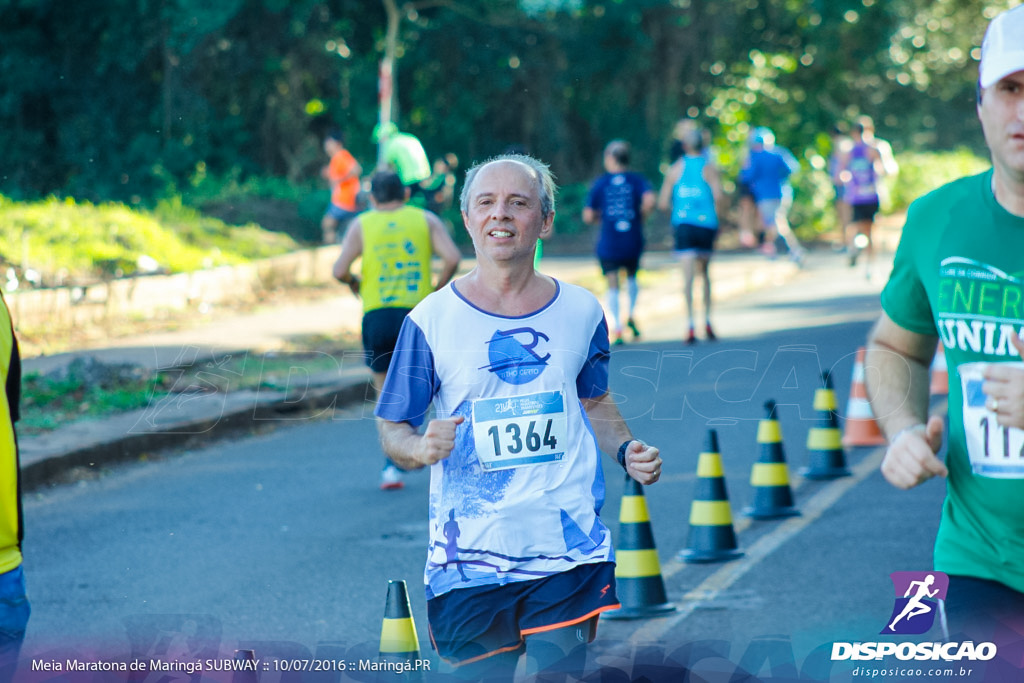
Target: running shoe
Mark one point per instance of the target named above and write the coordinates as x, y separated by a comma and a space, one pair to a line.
691, 338
633, 328
390, 478
709, 334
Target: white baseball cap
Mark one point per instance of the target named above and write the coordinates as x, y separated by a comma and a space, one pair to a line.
1002, 51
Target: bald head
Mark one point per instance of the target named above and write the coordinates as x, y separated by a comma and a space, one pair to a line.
537, 170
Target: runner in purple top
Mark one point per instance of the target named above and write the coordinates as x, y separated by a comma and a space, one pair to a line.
860, 168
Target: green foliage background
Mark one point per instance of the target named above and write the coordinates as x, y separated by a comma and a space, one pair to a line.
223, 104
69, 241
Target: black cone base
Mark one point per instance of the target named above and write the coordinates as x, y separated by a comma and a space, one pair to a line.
821, 473
644, 612
640, 597
711, 543
705, 556
771, 513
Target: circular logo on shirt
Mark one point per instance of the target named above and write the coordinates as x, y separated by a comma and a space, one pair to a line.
513, 355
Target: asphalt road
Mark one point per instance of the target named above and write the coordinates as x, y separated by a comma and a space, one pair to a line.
282, 543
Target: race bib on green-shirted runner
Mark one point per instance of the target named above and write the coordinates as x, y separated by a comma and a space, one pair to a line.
520, 431
994, 450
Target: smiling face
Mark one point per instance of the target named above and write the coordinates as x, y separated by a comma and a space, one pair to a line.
504, 213
1001, 111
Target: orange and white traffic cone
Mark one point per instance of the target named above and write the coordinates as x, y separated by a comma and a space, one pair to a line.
939, 385
861, 428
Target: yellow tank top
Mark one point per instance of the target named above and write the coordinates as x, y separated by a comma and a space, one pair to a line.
396, 258
10, 509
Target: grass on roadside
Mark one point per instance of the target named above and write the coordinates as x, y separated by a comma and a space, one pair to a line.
50, 403
69, 241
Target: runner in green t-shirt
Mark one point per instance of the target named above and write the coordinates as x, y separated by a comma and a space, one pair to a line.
958, 278
404, 153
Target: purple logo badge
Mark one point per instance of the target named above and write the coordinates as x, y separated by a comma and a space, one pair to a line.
917, 601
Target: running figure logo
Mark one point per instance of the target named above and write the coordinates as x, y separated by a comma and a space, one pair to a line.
914, 612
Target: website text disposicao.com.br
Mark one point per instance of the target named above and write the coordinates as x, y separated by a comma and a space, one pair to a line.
951, 660
905, 672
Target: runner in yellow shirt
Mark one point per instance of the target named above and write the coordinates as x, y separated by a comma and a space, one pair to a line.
396, 243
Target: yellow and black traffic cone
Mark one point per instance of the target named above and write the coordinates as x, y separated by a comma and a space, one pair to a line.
711, 538
638, 581
770, 477
398, 641
824, 440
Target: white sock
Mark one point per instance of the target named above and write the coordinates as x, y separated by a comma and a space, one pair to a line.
613, 307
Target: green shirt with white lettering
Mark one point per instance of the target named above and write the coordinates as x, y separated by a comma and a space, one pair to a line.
959, 273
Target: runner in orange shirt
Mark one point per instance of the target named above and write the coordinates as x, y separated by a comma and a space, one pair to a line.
342, 173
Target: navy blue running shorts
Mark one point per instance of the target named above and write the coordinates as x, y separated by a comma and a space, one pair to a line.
694, 238
630, 264
470, 624
864, 212
380, 334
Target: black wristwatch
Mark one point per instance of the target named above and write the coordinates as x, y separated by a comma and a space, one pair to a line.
621, 455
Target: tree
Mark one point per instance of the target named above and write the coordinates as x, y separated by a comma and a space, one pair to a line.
132, 100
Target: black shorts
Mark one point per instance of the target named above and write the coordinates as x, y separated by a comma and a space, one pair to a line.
630, 265
743, 190
470, 624
380, 334
864, 212
694, 238
980, 608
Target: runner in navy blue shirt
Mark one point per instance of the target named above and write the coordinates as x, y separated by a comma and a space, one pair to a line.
619, 200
